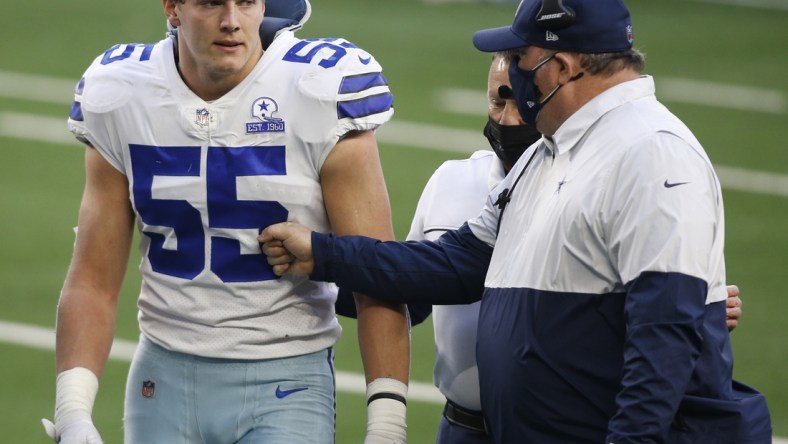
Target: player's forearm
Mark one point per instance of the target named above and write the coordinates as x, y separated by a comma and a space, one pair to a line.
85, 330
384, 339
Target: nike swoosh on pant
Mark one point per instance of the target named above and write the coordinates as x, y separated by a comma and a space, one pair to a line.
282, 393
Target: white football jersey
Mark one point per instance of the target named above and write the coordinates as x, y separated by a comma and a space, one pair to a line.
456, 192
206, 177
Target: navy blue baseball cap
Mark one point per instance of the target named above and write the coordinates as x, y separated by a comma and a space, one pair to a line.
585, 26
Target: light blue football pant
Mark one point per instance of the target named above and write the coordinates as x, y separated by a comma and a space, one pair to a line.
174, 398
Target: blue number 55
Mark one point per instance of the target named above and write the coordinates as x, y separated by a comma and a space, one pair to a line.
225, 211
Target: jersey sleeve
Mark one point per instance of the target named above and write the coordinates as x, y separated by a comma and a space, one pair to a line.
344, 87
364, 100
333, 87
99, 92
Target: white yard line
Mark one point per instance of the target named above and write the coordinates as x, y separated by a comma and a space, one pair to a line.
700, 92
122, 350
439, 138
669, 89
417, 135
37, 88
720, 95
36, 127
769, 5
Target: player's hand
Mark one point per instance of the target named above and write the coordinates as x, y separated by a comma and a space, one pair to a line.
733, 306
81, 431
288, 247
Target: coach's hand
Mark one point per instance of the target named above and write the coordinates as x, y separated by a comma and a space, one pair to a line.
79, 432
288, 247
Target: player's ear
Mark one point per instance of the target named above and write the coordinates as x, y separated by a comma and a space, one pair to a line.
171, 13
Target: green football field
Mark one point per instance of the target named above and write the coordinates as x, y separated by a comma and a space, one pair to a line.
722, 66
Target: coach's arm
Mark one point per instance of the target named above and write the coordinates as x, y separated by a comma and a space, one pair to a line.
446, 272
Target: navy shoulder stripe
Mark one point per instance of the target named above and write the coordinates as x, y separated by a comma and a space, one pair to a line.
365, 106
75, 113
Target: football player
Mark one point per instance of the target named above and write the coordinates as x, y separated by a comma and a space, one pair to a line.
200, 141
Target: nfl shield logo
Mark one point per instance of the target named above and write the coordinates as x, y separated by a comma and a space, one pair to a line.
201, 117
148, 388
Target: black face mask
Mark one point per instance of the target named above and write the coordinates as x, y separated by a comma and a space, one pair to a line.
510, 141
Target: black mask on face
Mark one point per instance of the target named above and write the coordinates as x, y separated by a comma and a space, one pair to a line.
510, 141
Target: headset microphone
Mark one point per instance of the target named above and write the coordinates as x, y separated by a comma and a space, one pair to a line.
554, 15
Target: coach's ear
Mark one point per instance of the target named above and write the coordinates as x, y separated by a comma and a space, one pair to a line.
346, 306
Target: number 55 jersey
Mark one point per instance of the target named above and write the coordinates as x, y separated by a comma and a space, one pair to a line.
205, 177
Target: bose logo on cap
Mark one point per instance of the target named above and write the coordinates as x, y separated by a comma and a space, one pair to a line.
550, 16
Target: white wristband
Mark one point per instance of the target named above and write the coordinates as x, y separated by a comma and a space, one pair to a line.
386, 398
75, 395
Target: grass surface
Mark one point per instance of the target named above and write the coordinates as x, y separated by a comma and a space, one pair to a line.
423, 47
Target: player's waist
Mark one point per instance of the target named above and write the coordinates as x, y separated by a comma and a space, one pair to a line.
268, 338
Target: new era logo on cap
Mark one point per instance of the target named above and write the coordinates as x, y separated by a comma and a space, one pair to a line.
550, 37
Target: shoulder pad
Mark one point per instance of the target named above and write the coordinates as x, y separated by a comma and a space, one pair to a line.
111, 78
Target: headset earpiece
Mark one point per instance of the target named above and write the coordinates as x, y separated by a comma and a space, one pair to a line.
554, 15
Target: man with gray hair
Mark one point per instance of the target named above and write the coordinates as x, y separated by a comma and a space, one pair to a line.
600, 255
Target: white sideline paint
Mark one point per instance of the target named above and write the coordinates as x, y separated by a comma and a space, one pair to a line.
460, 141
123, 350
41, 338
